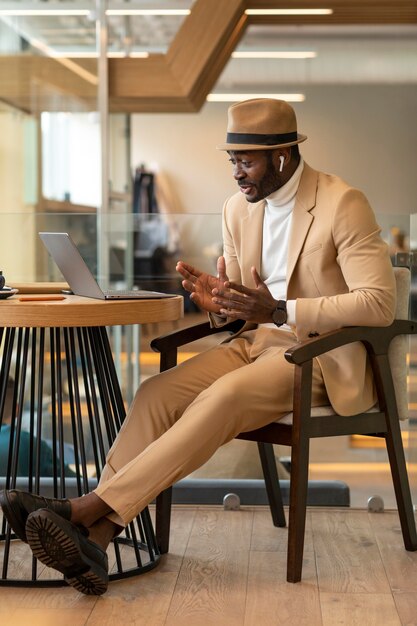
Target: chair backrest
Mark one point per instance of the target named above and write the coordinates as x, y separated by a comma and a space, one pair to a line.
399, 346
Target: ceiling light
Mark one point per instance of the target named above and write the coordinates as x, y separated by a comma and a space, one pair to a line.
120, 54
42, 12
238, 97
289, 11
65, 11
88, 54
148, 12
274, 54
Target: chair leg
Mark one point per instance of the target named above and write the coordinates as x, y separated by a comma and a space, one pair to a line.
300, 449
395, 450
297, 512
273, 490
401, 486
163, 519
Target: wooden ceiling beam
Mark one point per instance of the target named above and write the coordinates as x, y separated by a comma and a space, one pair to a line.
194, 61
34, 84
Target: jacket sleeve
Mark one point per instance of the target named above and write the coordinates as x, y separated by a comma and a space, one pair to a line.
363, 259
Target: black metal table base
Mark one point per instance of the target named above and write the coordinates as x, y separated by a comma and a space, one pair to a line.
67, 406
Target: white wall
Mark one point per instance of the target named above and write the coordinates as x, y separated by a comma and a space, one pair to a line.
366, 134
17, 195
184, 147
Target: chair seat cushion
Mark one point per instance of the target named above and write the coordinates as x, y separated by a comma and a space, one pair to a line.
317, 411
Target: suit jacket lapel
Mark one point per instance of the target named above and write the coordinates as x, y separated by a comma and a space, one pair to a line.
252, 233
305, 200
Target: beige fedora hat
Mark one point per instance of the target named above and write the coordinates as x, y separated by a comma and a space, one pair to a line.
261, 124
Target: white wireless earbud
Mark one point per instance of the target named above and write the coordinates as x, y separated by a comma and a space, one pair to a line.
281, 163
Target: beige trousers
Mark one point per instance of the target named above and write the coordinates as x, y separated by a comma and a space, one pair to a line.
179, 418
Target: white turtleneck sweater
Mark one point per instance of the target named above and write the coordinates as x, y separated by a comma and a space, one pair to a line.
276, 234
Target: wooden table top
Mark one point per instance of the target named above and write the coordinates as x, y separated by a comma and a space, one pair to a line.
19, 312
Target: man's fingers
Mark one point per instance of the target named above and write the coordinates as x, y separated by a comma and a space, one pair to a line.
258, 280
188, 285
221, 269
232, 313
188, 271
240, 288
187, 275
231, 299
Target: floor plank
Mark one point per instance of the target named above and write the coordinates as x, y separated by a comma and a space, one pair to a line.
347, 554
55, 598
357, 609
400, 565
182, 520
140, 601
271, 601
406, 603
267, 537
49, 617
211, 588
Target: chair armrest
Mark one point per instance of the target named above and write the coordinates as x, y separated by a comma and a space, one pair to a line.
376, 339
177, 338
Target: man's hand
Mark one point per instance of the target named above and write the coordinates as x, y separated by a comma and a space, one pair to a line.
201, 285
239, 302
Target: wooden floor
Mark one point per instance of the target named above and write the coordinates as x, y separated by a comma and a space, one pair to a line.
228, 568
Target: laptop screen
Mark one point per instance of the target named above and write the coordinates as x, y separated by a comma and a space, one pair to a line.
72, 265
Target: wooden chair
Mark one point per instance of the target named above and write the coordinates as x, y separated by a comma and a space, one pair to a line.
387, 348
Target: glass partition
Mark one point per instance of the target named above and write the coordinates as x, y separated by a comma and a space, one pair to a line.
49, 130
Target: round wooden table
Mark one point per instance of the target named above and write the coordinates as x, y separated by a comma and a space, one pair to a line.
66, 395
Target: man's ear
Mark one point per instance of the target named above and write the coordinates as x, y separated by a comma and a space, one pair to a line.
282, 157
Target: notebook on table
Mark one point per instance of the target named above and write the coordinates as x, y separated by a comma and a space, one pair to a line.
78, 276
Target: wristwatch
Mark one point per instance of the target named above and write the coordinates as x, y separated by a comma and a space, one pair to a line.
279, 315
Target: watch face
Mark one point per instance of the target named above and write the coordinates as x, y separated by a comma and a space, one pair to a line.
279, 316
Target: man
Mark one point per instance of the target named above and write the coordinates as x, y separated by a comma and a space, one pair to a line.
302, 256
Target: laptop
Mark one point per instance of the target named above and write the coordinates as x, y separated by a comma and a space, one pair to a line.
75, 271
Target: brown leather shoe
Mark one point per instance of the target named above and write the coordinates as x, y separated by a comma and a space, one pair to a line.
60, 544
17, 506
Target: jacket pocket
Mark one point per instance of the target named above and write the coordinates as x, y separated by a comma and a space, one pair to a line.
305, 253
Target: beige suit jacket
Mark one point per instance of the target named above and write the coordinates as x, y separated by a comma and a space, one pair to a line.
338, 271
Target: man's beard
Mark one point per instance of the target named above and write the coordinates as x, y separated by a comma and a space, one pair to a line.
270, 182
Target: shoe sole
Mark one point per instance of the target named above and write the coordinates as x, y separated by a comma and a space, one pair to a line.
54, 548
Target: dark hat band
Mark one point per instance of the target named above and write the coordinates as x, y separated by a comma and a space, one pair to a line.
264, 140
